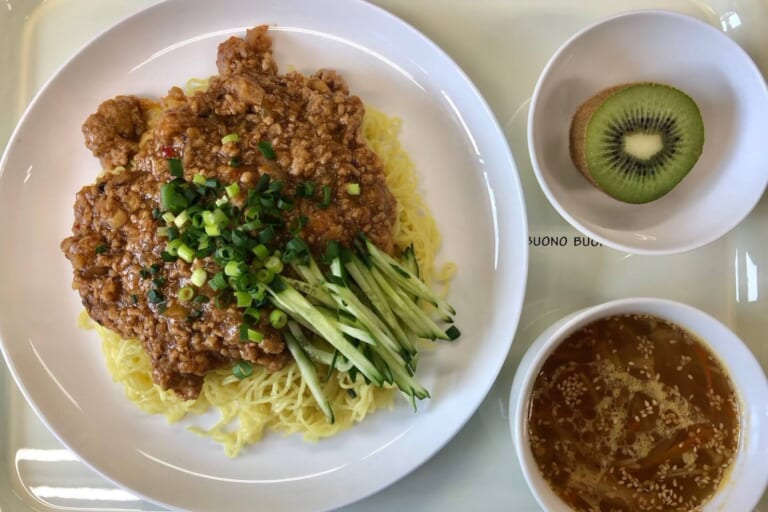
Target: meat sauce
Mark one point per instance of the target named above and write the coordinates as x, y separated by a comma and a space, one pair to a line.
312, 125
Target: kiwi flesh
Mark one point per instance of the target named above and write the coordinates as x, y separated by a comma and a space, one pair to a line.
637, 141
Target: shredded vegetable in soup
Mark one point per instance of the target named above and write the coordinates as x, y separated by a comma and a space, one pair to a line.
633, 413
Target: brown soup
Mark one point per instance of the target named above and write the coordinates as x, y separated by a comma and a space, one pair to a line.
633, 413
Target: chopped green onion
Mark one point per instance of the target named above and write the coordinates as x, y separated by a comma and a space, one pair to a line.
173, 232
162, 232
181, 219
166, 256
158, 281
212, 183
134, 298
218, 282
266, 150
198, 220
266, 234
199, 179
201, 299
326, 202
233, 190
265, 276
172, 197
232, 268
219, 217
242, 369
225, 253
353, 189
254, 313
263, 183
234, 162
102, 248
199, 275
154, 268
261, 251
168, 217
186, 294
156, 212
186, 253
306, 189
172, 247
155, 297
278, 319
243, 299
274, 265
231, 137
175, 167
221, 201
212, 230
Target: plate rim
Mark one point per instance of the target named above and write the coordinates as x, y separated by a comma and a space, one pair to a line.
522, 222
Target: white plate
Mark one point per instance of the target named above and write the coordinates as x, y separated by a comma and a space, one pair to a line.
468, 177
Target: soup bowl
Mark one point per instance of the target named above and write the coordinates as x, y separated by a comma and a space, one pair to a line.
742, 486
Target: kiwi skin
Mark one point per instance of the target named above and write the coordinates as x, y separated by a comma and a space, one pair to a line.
577, 133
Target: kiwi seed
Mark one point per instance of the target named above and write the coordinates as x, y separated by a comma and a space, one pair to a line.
636, 142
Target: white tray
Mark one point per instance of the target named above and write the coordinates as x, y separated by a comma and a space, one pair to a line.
503, 46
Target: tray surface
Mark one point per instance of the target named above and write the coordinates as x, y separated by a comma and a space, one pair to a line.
502, 46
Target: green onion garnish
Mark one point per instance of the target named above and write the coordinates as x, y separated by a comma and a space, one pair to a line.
278, 319
201, 299
264, 276
186, 253
326, 202
156, 213
231, 137
155, 297
234, 162
101, 248
243, 299
181, 219
175, 167
233, 190
162, 232
261, 251
186, 294
198, 179
218, 282
232, 269
266, 150
134, 298
274, 265
306, 189
212, 230
242, 369
253, 313
172, 247
199, 275
353, 189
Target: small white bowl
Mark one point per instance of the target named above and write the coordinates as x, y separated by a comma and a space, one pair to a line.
745, 484
729, 177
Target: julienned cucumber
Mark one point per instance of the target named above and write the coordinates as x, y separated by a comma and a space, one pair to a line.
368, 310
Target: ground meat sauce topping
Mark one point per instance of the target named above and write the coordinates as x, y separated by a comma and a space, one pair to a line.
313, 126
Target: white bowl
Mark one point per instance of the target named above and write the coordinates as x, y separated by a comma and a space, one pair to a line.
747, 481
681, 51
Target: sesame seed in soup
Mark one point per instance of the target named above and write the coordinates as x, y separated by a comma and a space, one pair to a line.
633, 413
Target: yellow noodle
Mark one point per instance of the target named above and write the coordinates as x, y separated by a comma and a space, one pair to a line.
280, 401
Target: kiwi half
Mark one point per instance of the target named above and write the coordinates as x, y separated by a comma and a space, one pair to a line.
636, 142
